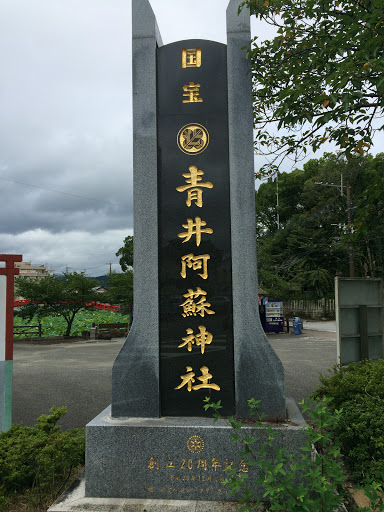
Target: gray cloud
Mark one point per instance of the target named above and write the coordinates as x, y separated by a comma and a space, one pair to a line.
65, 98
75, 250
65, 104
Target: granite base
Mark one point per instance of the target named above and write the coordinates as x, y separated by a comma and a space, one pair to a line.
172, 458
74, 500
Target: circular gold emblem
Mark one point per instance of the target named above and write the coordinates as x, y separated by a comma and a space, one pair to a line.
195, 444
193, 139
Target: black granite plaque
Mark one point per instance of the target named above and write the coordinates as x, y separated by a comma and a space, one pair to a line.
195, 292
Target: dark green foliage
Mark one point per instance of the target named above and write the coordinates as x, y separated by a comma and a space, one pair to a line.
320, 77
361, 435
126, 254
39, 457
367, 235
358, 391
301, 257
120, 289
357, 380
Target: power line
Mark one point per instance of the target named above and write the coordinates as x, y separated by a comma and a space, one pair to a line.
65, 193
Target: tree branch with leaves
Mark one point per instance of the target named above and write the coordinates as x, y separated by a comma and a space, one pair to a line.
126, 254
321, 78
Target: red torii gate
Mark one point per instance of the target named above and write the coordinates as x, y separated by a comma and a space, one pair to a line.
6, 336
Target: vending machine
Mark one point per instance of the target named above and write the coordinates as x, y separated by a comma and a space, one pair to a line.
272, 319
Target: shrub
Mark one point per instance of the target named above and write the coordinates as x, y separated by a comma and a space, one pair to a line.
358, 391
42, 457
360, 432
365, 378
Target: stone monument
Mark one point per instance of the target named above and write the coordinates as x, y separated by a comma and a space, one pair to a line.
196, 331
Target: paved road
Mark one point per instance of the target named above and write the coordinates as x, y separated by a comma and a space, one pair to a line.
79, 374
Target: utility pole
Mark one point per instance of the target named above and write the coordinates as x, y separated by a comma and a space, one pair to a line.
350, 249
339, 187
277, 201
349, 217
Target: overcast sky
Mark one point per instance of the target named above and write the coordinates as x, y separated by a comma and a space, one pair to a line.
65, 130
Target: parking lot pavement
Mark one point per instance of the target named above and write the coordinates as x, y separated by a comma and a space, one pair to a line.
304, 357
79, 374
320, 325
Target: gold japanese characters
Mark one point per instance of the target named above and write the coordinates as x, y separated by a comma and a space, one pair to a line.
193, 186
196, 303
188, 379
195, 228
191, 58
201, 464
198, 469
199, 262
193, 139
201, 339
192, 93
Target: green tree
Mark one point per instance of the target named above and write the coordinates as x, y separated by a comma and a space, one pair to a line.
301, 256
126, 253
57, 296
366, 236
321, 78
120, 289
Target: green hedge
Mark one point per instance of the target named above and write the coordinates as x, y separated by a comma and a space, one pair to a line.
365, 378
38, 458
361, 434
358, 390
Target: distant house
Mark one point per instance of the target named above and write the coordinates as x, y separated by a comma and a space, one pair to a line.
100, 289
29, 271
